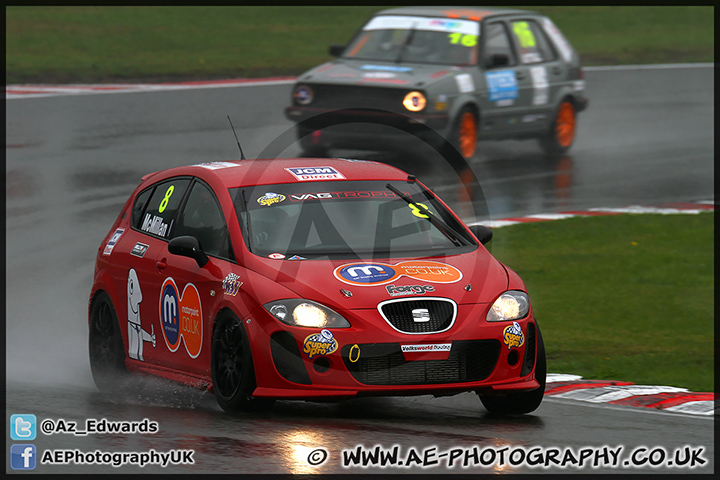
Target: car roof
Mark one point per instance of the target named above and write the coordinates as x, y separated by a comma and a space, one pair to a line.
470, 13
250, 172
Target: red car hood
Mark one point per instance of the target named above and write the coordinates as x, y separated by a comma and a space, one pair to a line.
470, 278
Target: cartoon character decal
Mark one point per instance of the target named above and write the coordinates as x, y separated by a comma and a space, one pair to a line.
136, 334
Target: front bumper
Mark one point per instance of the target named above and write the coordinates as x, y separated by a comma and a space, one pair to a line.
368, 360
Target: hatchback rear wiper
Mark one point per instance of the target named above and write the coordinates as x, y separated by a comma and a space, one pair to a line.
444, 228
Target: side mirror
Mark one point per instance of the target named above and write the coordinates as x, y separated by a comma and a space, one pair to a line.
498, 60
483, 233
187, 246
336, 50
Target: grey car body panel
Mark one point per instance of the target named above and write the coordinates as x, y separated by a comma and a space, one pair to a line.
540, 87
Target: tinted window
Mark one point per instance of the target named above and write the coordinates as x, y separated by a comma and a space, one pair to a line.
400, 38
163, 204
345, 219
202, 218
497, 42
533, 45
139, 206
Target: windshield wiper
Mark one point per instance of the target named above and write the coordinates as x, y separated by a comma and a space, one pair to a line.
444, 228
407, 41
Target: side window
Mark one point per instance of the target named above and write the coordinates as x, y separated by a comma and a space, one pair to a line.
497, 42
202, 218
533, 44
139, 206
162, 205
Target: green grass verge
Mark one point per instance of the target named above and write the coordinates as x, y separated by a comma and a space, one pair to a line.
95, 44
627, 297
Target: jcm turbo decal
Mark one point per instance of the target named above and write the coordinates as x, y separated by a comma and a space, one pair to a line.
379, 273
113, 240
513, 336
315, 173
231, 284
181, 317
409, 289
319, 344
270, 198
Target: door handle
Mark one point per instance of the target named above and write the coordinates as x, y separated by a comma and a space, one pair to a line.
161, 264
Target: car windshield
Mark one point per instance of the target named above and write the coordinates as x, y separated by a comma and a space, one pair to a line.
406, 39
347, 219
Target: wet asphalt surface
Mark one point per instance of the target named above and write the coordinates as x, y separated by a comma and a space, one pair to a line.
646, 139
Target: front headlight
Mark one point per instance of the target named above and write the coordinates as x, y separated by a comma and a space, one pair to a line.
414, 101
305, 313
511, 305
303, 95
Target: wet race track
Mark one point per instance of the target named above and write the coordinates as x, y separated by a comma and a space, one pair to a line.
645, 139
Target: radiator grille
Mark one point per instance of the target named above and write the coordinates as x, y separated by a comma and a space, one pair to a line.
399, 314
384, 364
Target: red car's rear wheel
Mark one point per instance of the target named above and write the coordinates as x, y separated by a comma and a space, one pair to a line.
107, 353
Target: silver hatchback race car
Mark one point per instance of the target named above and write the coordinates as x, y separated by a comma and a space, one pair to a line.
466, 73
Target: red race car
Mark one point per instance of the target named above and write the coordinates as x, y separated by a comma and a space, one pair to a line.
308, 279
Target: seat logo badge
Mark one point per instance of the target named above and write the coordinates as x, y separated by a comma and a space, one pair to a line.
421, 315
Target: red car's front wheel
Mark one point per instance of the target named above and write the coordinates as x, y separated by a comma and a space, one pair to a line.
233, 375
521, 402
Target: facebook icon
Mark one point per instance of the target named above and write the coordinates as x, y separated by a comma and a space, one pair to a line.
23, 457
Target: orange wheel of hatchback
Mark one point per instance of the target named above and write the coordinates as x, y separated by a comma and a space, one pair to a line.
464, 136
467, 134
561, 135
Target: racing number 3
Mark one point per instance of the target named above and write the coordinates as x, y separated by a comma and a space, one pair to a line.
166, 198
